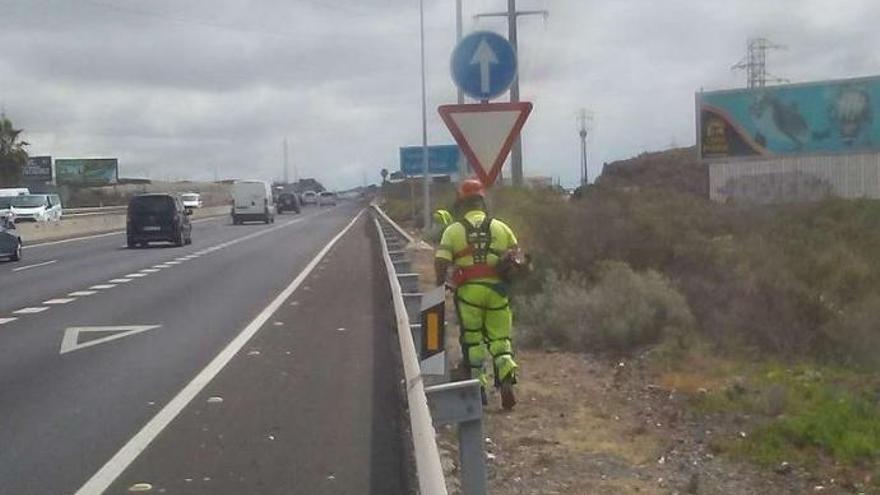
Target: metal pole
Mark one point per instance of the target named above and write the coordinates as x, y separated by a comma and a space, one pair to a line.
286, 175
472, 458
426, 182
516, 164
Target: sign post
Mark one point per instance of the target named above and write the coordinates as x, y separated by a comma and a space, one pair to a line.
484, 66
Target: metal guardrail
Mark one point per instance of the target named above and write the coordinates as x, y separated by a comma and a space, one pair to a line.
393, 225
94, 211
447, 403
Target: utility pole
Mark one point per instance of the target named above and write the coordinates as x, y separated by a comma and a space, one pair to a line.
512, 15
463, 167
583, 118
426, 182
755, 63
286, 177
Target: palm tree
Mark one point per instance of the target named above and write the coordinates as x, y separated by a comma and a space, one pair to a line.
13, 155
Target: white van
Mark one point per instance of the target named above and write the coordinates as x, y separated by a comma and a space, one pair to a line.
252, 201
36, 207
13, 191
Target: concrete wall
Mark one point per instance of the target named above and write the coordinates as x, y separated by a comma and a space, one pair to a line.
795, 178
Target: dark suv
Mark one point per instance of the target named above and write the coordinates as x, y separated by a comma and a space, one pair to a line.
158, 217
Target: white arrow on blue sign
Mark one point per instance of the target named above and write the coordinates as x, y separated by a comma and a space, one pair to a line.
483, 65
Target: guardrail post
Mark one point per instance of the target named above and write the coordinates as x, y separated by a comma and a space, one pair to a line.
460, 402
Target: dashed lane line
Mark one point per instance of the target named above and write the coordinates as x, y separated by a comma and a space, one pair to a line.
136, 275
7, 320
149, 270
119, 280
102, 286
62, 300
82, 293
30, 310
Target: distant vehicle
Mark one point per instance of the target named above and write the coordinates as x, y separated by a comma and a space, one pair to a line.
287, 201
10, 241
327, 198
36, 207
157, 217
191, 200
309, 198
6, 206
13, 191
252, 201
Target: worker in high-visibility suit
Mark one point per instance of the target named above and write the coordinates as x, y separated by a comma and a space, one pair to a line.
442, 219
474, 246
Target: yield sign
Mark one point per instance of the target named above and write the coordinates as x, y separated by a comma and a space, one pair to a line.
98, 335
486, 132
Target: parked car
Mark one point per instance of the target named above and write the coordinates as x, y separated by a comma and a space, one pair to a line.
191, 200
252, 201
287, 201
10, 241
326, 198
309, 198
36, 207
157, 217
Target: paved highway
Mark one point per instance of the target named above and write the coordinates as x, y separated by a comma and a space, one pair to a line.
257, 360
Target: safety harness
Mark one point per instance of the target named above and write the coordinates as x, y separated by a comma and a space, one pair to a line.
479, 246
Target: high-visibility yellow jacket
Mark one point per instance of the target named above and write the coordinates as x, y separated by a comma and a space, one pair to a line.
457, 248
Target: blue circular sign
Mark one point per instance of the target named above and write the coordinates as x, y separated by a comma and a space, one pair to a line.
483, 65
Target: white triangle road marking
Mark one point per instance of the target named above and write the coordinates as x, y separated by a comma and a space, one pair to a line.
70, 341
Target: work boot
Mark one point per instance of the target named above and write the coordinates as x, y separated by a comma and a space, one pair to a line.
508, 399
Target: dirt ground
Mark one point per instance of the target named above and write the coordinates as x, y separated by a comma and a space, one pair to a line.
587, 425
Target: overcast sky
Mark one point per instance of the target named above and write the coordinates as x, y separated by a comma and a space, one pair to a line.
190, 88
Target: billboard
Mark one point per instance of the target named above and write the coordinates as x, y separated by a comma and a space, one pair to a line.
38, 169
86, 171
794, 119
442, 159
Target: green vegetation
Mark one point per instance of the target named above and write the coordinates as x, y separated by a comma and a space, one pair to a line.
13, 155
806, 412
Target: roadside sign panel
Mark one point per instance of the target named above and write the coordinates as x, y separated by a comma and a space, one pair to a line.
486, 133
442, 159
87, 171
38, 169
483, 65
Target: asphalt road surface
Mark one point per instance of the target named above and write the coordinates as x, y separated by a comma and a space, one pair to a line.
257, 360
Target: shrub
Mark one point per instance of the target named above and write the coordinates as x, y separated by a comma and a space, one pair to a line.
622, 311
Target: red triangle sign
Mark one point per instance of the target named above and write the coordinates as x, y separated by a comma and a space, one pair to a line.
485, 132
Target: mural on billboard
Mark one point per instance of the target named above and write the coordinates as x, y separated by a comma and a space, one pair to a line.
834, 116
87, 172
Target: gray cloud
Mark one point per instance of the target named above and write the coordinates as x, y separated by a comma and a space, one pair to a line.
184, 89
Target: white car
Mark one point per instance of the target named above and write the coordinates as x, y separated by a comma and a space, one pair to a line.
36, 207
191, 200
327, 198
309, 198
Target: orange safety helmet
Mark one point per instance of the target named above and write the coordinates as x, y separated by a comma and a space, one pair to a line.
471, 188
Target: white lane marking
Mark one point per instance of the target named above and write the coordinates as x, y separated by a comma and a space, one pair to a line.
103, 286
119, 280
101, 480
7, 320
148, 270
81, 293
31, 310
136, 275
62, 300
161, 265
172, 263
28, 267
70, 341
